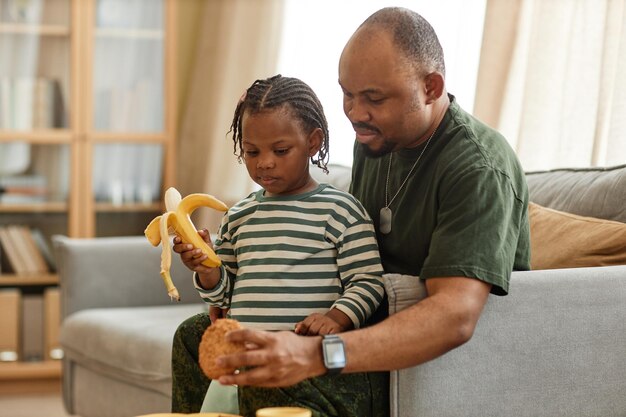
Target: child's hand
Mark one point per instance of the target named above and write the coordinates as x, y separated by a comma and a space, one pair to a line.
318, 324
193, 257
217, 313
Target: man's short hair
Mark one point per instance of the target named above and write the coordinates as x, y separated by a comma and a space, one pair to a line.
415, 37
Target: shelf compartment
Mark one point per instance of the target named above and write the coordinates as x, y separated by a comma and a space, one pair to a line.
125, 34
28, 280
31, 29
128, 207
44, 207
42, 136
30, 370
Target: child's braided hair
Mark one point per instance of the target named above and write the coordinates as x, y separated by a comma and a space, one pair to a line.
278, 91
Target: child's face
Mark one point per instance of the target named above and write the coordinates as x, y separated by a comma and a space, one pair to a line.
277, 151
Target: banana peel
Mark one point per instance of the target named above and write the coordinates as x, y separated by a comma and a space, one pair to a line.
177, 220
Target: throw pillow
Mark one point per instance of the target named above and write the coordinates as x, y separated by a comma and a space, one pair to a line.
563, 240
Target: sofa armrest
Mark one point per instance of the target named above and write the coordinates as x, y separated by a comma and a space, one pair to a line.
115, 272
554, 346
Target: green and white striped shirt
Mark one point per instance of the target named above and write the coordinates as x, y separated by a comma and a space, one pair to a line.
287, 257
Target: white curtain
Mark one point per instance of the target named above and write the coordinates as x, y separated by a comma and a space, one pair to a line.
552, 79
238, 44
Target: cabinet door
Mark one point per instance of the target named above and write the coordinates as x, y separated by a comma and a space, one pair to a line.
128, 113
128, 66
36, 58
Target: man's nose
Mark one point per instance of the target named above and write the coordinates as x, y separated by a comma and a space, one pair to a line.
357, 112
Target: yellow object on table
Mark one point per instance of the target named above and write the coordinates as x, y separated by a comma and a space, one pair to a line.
191, 415
283, 412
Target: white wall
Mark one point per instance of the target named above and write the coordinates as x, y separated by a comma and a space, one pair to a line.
315, 33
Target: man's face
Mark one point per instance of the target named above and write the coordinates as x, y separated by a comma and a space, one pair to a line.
383, 95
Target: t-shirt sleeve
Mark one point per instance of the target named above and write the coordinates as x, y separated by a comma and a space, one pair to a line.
477, 229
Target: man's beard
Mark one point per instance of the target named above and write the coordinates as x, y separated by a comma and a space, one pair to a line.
387, 148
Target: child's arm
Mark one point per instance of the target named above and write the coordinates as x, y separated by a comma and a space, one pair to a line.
216, 313
360, 272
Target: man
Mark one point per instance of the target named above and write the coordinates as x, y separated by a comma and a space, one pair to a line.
446, 193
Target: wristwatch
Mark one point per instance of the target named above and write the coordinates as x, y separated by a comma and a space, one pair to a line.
334, 353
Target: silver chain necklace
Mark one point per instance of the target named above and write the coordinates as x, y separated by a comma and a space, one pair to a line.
386, 215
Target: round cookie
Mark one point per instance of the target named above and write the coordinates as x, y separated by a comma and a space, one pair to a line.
213, 344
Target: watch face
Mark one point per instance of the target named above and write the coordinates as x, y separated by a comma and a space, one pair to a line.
334, 354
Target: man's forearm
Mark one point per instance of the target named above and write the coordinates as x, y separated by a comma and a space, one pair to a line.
422, 332
430, 328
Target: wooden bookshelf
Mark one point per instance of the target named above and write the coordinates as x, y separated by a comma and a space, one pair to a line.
27, 280
77, 47
30, 377
29, 370
128, 207
40, 207
31, 29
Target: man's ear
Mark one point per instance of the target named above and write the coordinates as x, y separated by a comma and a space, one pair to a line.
434, 84
315, 141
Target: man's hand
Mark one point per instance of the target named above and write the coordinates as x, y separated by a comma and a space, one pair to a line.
279, 359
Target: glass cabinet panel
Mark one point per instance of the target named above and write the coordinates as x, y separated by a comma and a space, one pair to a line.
127, 179
128, 66
35, 64
127, 173
34, 174
34, 190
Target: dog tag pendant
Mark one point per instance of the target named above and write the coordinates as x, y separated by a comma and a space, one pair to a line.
385, 220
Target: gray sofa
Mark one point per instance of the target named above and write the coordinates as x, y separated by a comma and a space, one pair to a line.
556, 346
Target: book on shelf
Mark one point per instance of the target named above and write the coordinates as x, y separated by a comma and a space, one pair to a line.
11, 250
9, 324
24, 189
22, 250
15, 236
44, 248
32, 342
37, 261
31, 103
22, 103
6, 94
52, 322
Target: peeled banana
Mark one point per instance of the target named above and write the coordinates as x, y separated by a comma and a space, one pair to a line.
176, 220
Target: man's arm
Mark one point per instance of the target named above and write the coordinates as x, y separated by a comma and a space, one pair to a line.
439, 323
442, 321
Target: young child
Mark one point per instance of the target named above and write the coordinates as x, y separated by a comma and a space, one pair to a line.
297, 255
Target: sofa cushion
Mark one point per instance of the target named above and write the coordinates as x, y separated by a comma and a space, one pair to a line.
553, 347
132, 344
564, 240
594, 192
403, 291
339, 176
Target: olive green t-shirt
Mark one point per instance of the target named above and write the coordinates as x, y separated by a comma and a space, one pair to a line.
462, 212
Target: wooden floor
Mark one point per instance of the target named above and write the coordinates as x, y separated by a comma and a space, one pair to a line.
36, 399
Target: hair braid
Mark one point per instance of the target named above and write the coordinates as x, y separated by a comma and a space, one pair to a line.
278, 91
